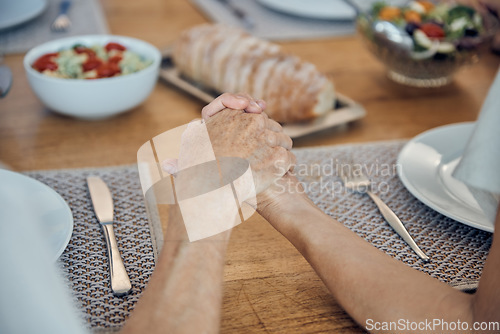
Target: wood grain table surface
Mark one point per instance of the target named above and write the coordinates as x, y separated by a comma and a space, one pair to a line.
269, 287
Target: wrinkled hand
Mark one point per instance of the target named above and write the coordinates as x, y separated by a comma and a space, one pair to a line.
203, 169
251, 136
233, 101
245, 133
277, 195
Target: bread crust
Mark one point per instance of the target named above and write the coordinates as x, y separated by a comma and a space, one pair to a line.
228, 59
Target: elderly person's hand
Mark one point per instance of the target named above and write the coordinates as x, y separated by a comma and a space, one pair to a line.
250, 135
233, 101
284, 183
253, 137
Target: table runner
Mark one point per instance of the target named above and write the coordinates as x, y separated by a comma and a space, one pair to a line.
273, 25
87, 17
457, 251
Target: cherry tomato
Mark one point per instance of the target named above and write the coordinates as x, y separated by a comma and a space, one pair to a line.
91, 64
115, 59
107, 70
114, 46
82, 49
46, 62
432, 30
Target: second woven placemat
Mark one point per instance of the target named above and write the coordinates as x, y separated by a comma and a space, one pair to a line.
457, 251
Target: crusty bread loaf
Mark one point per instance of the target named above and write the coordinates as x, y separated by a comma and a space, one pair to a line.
227, 59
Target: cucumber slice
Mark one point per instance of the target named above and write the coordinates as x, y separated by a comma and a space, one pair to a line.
421, 39
446, 47
427, 53
459, 24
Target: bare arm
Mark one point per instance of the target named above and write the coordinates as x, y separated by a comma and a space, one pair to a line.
368, 283
184, 294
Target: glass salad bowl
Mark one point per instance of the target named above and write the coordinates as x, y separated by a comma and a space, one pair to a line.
423, 44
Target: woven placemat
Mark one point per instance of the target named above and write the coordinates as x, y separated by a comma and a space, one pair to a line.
87, 17
457, 251
84, 261
274, 25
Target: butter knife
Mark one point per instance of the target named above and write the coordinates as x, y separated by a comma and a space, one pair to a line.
103, 208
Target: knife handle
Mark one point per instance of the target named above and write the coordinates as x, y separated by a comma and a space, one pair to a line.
120, 283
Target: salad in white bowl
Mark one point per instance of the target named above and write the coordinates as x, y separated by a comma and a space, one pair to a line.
124, 71
91, 62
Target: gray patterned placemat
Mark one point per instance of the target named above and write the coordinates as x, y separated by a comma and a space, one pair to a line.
273, 25
84, 261
457, 251
87, 17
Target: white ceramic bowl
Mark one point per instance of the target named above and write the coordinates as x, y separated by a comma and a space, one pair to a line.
99, 98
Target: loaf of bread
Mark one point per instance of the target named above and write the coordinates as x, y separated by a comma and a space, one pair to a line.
228, 59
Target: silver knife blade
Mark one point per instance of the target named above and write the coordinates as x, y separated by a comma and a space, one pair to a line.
103, 207
101, 199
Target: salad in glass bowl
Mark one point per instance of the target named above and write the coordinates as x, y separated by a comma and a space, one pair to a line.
424, 43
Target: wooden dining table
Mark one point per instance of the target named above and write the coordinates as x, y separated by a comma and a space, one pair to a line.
268, 286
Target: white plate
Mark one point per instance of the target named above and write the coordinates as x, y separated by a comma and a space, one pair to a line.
14, 12
314, 9
425, 166
49, 207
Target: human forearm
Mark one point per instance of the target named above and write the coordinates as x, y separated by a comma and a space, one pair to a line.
366, 282
184, 294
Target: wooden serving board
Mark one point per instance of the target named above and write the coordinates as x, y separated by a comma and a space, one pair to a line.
345, 109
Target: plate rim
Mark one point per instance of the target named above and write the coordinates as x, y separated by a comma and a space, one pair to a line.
28, 17
418, 194
277, 6
70, 221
